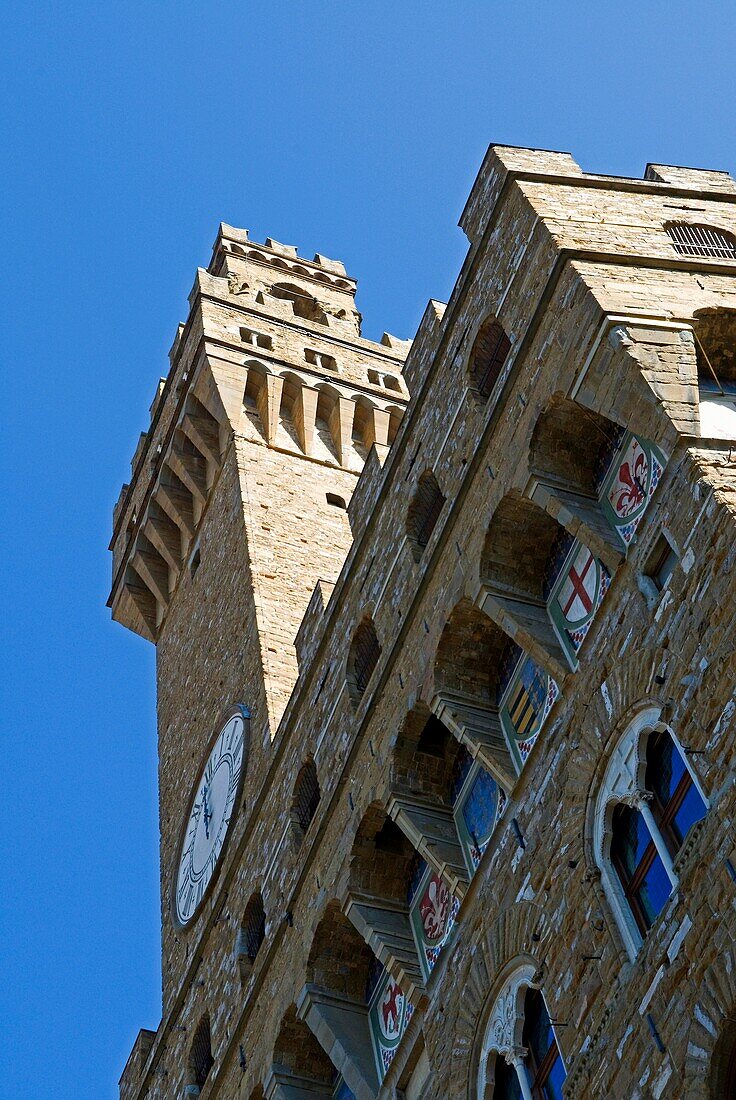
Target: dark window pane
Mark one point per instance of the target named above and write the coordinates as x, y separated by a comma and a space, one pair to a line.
538, 1036
506, 1086
691, 810
677, 804
630, 839
665, 767
654, 891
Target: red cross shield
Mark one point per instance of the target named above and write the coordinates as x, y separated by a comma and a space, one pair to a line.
578, 590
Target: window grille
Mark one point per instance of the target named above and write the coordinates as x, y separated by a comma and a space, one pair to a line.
702, 240
488, 356
306, 795
424, 510
201, 1059
253, 929
365, 652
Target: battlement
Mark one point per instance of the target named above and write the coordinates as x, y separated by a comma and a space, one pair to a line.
282, 257
271, 352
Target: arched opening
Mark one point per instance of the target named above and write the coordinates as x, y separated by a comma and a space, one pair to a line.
251, 935
333, 1001
487, 357
549, 584
706, 241
593, 468
715, 349
306, 796
424, 511
200, 1054
299, 1062
520, 1056
303, 304
649, 801
362, 659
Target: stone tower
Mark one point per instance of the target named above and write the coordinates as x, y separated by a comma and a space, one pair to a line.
236, 512
484, 845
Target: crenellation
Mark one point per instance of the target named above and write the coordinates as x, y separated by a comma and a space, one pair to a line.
451, 623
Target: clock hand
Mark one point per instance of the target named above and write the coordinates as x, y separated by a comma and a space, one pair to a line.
206, 813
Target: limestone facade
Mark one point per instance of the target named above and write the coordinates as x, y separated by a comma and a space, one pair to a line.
465, 588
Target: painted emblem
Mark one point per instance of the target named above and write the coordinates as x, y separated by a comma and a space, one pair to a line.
432, 912
635, 472
389, 1013
525, 704
576, 597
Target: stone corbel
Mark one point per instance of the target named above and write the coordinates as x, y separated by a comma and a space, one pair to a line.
281, 1084
385, 927
475, 723
203, 431
191, 469
176, 501
582, 517
164, 534
268, 402
305, 416
527, 623
341, 427
430, 828
340, 1025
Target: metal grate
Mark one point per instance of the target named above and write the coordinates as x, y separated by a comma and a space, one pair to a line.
488, 356
365, 654
306, 795
253, 928
702, 240
201, 1054
424, 510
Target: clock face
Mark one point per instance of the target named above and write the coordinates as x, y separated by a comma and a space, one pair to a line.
209, 819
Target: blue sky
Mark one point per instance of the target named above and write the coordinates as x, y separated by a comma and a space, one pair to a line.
127, 132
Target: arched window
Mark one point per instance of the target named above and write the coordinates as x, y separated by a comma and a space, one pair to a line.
251, 936
520, 1058
306, 795
200, 1054
487, 357
424, 511
363, 658
648, 802
702, 240
303, 304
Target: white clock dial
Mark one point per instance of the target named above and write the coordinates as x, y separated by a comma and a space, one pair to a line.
209, 819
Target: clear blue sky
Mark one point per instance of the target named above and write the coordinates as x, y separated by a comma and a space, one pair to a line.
127, 132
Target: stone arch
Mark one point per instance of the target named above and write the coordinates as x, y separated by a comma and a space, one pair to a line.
517, 935
303, 304
424, 756
200, 1060
396, 415
712, 1033
364, 433
298, 1059
381, 858
570, 443
363, 656
423, 512
339, 960
251, 934
469, 654
520, 540
715, 343
488, 355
